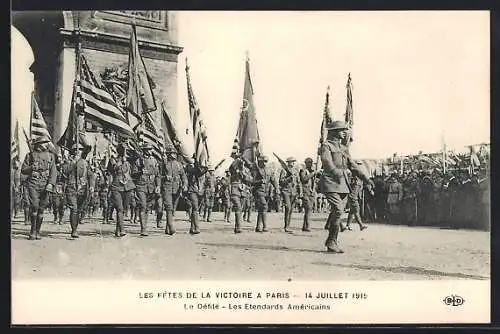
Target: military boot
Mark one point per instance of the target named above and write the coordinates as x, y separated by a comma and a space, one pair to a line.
264, 223
39, 221
33, 227
73, 221
287, 220
258, 228
209, 213
119, 225
305, 226
169, 229
143, 219
331, 243
237, 222
194, 223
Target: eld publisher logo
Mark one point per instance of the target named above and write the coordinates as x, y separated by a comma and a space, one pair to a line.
454, 300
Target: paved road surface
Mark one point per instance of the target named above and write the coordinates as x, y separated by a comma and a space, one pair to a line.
382, 252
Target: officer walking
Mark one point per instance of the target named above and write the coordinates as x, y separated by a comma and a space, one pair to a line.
263, 180
40, 168
193, 173
240, 177
291, 188
58, 196
122, 186
307, 176
146, 175
353, 203
208, 193
173, 181
79, 184
336, 160
225, 193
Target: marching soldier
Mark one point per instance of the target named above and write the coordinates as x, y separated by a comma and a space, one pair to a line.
240, 177
40, 167
307, 176
394, 197
146, 175
290, 189
173, 182
336, 160
353, 204
208, 193
193, 174
262, 181
25, 199
121, 187
245, 203
225, 190
103, 188
79, 185
58, 196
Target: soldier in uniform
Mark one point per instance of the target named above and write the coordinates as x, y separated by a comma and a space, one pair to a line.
307, 178
353, 203
394, 197
336, 160
40, 168
58, 196
193, 174
246, 204
146, 176
410, 192
173, 181
240, 178
79, 185
290, 187
208, 193
121, 187
103, 188
225, 190
262, 180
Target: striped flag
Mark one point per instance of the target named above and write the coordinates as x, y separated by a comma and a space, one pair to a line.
150, 134
349, 113
201, 153
38, 127
140, 98
170, 134
247, 139
14, 146
99, 105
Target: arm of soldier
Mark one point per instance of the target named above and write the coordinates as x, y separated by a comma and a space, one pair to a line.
305, 178
183, 175
327, 161
26, 166
284, 177
53, 172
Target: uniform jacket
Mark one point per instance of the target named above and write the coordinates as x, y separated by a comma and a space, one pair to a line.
356, 189
40, 168
193, 175
146, 174
120, 171
307, 181
78, 174
290, 184
173, 176
240, 177
263, 180
209, 184
336, 160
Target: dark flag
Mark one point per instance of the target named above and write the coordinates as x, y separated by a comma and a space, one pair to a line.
140, 98
247, 140
170, 134
349, 115
14, 146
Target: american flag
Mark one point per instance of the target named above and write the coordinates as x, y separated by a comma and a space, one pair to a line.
201, 153
99, 105
150, 134
14, 146
349, 113
38, 127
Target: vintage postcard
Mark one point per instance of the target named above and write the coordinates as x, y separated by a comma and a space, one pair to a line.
223, 167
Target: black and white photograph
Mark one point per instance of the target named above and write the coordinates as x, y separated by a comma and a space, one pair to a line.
250, 167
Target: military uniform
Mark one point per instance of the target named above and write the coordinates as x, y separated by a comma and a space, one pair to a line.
240, 178
394, 198
308, 194
410, 192
121, 189
336, 160
103, 189
262, 181
146, 173
208, 194
58, 197
40, 167
193, 175
225, 193
353, 200
173, 181
291, 188
79, 186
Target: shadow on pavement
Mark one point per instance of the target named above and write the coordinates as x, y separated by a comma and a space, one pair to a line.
267, 247
405, 270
